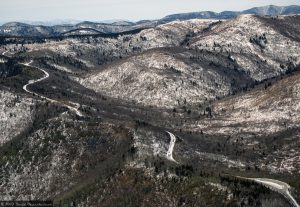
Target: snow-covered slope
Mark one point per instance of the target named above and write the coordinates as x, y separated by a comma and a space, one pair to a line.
88, 52
259, 49
197, 79
160, 78
21, 29
270, 10
15, 115
57, 156
262, 112
244, 50
264, 119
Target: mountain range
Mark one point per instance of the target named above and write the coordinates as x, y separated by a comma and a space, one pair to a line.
198, 112
270, 10
94, 28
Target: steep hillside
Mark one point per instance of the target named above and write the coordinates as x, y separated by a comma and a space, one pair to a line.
188, 113
288, 26
61, 155
266, 110
87, 52
217, 61
168, 78
266, 118
259, 48
15, 115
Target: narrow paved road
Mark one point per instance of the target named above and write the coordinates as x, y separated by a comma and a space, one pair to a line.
171, 147
3, 53
25, 87
277, 186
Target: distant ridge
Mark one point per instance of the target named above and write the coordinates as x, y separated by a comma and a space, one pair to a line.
119, 26
270, 10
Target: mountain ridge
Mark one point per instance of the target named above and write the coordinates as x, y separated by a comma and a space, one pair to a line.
270, 10
187, 113
27, 29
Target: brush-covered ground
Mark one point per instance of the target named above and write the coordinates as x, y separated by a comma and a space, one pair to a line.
228, 91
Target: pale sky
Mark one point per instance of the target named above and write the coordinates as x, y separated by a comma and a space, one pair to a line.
98, 10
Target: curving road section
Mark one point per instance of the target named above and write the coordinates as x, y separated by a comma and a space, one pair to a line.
3, 53
171, 147
46, 75
277, 186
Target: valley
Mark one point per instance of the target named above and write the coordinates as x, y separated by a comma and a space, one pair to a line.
198, 112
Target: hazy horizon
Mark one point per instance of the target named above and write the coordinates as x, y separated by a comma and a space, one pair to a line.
132, 10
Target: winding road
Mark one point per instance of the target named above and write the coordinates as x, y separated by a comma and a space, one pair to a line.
3, 53
171, 147
277, 186
30, 82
